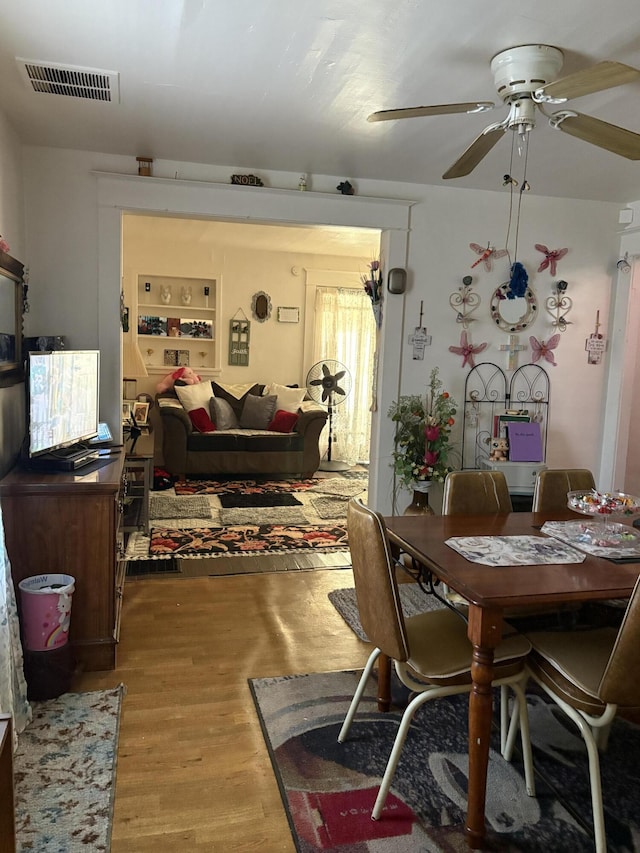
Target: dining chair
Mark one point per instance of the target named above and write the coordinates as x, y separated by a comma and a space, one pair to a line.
431, 652
552, 485
590, 675
475, 493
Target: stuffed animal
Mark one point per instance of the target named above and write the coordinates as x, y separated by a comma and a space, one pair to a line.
185, 374
499, 450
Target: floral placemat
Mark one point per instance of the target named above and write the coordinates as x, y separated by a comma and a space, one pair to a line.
514, 550
621, 542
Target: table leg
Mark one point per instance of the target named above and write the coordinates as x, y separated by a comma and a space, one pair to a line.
384, 683
485, 631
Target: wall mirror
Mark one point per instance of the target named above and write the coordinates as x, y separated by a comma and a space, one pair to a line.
12, 296
513, 315
261, 306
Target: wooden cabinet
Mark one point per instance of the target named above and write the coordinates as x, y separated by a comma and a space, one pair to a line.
71, 523
176, 324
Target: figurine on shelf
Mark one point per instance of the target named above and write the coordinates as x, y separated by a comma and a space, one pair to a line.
499, 450
165, 293
185, 294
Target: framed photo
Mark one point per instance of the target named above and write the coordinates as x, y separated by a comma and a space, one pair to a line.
173, 327
149, 325
140, 413
196, 329
171, 357
288, 315
183, 358
126, 411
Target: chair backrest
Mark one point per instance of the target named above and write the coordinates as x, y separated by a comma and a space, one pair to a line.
376, 586
620, 683
552, 485
475, 493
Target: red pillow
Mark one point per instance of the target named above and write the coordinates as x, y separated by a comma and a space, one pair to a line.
201, 420
283, 421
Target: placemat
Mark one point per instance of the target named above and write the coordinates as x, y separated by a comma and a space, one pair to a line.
514, 550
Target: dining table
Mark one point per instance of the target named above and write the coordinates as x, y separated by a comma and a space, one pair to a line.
489, 591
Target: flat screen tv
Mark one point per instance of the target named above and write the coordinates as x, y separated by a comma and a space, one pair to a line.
63, 406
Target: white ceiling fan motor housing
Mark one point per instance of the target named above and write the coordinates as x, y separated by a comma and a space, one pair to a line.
521, 70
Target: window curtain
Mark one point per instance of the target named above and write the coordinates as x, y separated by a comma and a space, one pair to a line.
13, 687
345, 331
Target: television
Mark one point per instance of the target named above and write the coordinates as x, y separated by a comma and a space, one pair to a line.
63, 408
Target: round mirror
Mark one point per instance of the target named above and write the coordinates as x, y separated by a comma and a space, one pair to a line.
513, 315
261, 306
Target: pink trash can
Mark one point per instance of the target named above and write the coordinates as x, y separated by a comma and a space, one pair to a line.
46, 611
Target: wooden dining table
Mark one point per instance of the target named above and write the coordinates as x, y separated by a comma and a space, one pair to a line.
489, 591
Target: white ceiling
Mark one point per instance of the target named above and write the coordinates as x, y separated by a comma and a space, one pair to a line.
286, 85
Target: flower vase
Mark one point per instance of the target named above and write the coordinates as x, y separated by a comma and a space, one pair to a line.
420, 503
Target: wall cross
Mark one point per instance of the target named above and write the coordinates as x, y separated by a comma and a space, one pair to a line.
512, 348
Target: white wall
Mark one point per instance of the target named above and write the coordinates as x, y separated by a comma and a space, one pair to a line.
63, 216
12, 399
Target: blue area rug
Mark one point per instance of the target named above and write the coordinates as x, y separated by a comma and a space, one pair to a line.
329, 788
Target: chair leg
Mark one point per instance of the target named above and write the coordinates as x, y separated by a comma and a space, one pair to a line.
357, 696
523, 717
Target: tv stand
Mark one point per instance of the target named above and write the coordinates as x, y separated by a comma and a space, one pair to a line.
66, 459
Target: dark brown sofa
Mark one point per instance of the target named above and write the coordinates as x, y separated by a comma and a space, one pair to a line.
237, 451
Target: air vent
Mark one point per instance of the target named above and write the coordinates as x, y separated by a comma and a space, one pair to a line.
88, 84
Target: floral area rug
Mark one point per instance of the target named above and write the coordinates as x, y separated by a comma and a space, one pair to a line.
250, 539
245, 518
329, 789
245, 487
64, 773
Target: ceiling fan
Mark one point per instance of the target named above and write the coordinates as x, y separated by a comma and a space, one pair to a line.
525, 79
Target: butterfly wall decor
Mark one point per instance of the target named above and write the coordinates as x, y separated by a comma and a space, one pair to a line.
542, 349
551, 258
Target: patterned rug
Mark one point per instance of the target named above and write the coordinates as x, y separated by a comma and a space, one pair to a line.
262, 515
252, 539
238, 500
329, 788
64, 773
245, 487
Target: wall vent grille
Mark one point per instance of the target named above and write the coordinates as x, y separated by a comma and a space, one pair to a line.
88, 84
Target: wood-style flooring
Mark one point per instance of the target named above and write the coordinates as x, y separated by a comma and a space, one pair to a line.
193, 770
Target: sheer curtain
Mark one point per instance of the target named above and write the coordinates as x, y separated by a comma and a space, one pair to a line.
345, 331
13, 687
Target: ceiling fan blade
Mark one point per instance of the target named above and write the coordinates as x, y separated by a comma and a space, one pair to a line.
476, 152
435, 110
603, 75
613, 138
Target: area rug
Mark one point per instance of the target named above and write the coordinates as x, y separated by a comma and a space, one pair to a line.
329, 789
246, 487
339, 486
252, 539
413, 599
330, 506
168, 506
262, 500
262, 515
64, 773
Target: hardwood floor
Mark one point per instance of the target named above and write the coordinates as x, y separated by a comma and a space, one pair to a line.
193, 769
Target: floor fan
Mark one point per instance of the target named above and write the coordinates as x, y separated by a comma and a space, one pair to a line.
329, 382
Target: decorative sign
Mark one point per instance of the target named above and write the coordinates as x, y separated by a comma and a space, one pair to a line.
246, 180
595, 344
239, 342
288, 315
419, 339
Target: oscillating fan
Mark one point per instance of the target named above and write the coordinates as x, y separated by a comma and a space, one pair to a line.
329, 382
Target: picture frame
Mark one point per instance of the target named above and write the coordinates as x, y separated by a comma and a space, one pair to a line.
140, 413
152, 325
288, 315
126, 411
195, 328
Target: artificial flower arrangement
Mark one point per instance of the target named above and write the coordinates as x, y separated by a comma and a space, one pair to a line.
373, 282
423, 429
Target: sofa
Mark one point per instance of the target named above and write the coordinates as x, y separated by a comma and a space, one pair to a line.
214, 429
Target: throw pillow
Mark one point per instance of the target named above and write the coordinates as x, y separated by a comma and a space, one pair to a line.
194, 396
283, 421
257, 412
223, 414
289, 399
201, 420
235, 395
